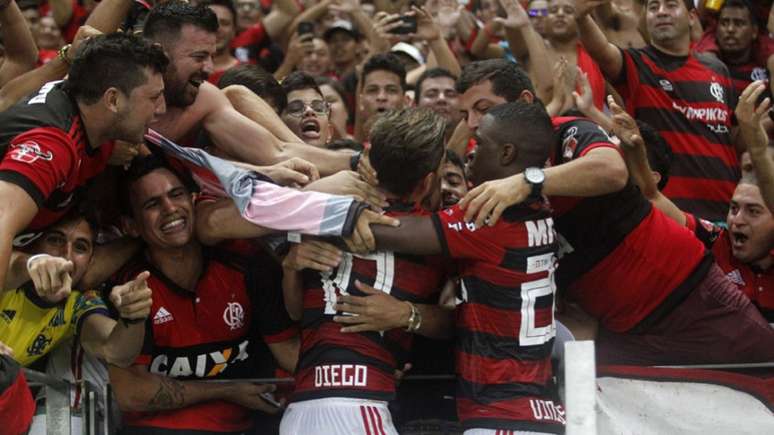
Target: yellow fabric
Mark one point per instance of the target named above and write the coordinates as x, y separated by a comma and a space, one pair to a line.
32, 329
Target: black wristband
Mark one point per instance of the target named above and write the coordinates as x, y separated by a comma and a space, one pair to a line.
128, 322
354, 161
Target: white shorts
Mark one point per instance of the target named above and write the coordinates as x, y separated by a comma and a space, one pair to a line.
501, 432
336, 416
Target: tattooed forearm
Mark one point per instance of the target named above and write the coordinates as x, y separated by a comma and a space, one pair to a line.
170, 395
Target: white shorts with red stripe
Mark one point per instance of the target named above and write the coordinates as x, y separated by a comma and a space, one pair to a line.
336, 416
501, 432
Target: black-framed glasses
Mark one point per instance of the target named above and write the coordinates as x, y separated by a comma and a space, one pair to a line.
298, 107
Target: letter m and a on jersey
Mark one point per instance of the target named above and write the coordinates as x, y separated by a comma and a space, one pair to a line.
505, 323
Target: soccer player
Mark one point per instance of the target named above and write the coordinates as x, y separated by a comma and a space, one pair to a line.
215, 315
643, 276
344, 380
55, 141
689, 99
505, 323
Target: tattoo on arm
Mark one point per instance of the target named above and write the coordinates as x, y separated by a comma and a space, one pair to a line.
170, 395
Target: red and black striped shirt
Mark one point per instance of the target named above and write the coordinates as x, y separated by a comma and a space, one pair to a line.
361, 365
505, 324
46, 152
623, 259
690, 101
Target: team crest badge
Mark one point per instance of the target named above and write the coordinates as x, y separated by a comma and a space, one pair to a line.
234, 315
666, 85
717, 92
29, 152
569, 143
758, 73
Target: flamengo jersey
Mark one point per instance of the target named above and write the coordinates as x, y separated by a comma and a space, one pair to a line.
212, 333
46, 152
757, 284
690, 102
622, 257
361, 365
33, 327
505, 323
743, 75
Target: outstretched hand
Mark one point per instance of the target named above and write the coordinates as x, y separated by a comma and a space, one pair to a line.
133, 299
750, 116
362, 239
624, 126
51, 277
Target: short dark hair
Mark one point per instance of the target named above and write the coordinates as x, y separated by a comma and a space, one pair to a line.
112, 60
740, 4
658, 151
530, 124
508, 79
258, 80
406, 145
228, 4
142, 166
455, 159
299, 80
167, 19
385, 62
432, 73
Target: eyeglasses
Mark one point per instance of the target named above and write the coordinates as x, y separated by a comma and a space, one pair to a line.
538, 12
298, 107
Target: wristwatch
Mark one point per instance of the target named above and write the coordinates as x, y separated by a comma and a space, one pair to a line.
535, 178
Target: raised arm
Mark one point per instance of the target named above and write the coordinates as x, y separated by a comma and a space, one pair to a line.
109, 14
607, 55
55, 69
520, 33
61, 11
750, 119
636, 158
21, 53
282, 14
430, 31
599, 172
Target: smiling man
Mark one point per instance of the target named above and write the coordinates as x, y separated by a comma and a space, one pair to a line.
188, 35
687, 98
55, 141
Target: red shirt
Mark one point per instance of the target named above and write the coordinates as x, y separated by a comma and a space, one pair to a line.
505, 323
623, 258
362, 365
47, 154
218, 331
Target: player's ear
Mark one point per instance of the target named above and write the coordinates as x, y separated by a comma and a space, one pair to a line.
527, 96
508, 154
424, 187
113, 99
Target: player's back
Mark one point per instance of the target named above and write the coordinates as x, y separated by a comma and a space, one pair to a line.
360, 365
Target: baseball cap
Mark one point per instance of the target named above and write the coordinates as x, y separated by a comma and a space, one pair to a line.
410, 50
342, 26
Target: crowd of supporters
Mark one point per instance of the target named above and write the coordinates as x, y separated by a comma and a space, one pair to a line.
360, 195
